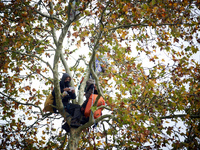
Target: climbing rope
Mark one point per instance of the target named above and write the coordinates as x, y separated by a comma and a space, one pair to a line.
92, 103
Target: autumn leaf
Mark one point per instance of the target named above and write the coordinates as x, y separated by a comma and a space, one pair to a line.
30, 118
43, 138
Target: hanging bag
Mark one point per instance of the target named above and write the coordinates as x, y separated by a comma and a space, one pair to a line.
48, 103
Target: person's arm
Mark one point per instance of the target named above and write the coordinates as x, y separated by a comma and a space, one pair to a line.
61, 88
84, 106
71, 93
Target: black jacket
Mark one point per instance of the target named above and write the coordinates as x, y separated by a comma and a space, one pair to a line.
63, 85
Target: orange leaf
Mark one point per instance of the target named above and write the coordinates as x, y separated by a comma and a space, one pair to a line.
27, 88
43, 137
29, 118
51, 12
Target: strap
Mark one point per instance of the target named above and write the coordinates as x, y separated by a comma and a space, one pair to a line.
92, 103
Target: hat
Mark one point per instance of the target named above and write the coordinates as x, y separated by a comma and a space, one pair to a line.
88, 83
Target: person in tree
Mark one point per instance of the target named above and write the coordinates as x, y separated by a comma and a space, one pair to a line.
89, 89
68, 93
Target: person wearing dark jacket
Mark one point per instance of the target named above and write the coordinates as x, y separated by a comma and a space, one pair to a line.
64, 88
68, 93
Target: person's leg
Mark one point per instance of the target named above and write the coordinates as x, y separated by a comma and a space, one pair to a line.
77, 112
69, 109
76, 109
84, 120
66, 127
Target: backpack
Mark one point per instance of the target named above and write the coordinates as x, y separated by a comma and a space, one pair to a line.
90, 102
48, 103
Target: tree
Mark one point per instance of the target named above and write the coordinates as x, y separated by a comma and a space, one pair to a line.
141, 98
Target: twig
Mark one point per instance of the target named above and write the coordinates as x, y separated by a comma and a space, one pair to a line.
29, 104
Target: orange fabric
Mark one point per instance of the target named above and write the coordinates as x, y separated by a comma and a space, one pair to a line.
97, 113
100, 102
48, 103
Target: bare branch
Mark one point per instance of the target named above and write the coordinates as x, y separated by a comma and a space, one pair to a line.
34, 72
50, 17
82, 87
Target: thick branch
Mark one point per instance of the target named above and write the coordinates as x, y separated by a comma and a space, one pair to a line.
53, 29
66, 67
82, 87
91, 122
92, 62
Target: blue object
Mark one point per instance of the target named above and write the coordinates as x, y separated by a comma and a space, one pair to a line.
98, 66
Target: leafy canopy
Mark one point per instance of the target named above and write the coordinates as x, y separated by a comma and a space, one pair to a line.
150, 80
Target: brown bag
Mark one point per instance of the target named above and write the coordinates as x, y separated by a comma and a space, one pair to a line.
48, 103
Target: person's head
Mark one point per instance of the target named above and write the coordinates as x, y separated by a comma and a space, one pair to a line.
89, 84
91, 87
68, 79
65, 80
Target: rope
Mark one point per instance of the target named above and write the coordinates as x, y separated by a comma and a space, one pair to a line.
92, 103
95, 125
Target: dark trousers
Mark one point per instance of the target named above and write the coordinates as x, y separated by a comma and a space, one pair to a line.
74, 110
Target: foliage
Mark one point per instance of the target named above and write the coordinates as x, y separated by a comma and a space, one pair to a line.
150, 80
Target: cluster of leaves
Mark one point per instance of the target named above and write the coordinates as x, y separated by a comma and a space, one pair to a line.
162, 33
22, 45
146, 96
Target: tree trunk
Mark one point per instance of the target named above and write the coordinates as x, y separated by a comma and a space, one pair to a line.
74, 139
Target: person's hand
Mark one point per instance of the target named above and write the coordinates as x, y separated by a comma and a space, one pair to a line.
64, 94
70, 89
66, 89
